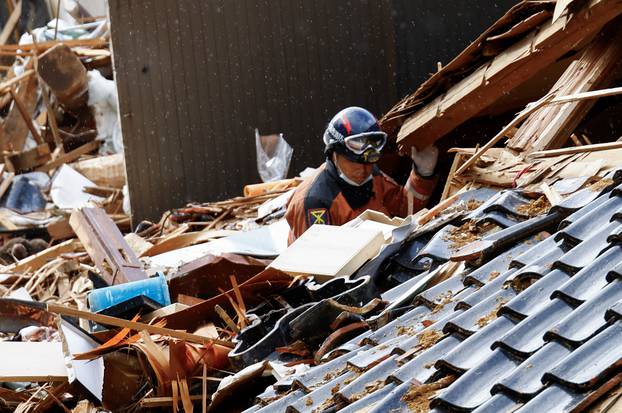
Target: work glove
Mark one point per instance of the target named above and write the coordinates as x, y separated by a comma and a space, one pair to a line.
425, 160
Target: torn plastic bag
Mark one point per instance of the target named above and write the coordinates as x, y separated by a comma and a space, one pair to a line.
103, 102
273, 156
24, 196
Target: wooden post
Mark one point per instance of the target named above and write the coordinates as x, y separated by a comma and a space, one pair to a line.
106, 246
65, 75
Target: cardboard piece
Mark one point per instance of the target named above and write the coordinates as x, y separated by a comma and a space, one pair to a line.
264, 242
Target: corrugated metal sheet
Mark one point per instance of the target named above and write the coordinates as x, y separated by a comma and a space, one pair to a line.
196, 77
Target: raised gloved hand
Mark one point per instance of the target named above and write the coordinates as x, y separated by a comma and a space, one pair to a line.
425, 160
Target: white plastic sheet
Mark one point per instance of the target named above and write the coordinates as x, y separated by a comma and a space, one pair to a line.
67, 189
273, 156
103, 102
268, 241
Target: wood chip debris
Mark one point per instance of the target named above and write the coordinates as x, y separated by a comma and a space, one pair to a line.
600, 184
445, 299
473, 204
493, 275
464, 235
536, 207
405, 331
428, 338
485, 320
418, 397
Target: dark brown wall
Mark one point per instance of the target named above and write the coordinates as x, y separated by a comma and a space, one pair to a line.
195, 77
431, 31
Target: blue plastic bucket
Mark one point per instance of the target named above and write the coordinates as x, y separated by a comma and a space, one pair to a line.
155, 288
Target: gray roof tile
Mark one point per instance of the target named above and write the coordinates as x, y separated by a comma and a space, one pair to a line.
528, 336
588, 365
587, 319
474, 349
525, 381
472, 389
548, 347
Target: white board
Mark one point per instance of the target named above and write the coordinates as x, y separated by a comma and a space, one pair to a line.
32, 361
328, 251
267, 241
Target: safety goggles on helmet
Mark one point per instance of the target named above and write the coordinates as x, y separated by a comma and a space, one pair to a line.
360, 143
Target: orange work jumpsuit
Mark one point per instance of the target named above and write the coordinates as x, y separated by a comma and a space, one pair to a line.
325, 198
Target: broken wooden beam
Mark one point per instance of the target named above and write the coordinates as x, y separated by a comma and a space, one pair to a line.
134, 325
14, 130
551, 126
69, 156
577, 149
7, 85
28, 160
27, 117
65, 75
42, 46
11, 23
106, 246
505, 72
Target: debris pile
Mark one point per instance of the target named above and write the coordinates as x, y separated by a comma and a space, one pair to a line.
496, 299
60, 136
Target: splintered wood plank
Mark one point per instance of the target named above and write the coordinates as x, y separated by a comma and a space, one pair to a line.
134, 325
560, 7
577, 149
8, 84
524, 114
551, 126
34, 262
41, 46
14, 128
450, 176
26, 116
513, 67
70, 156
32, 361
10, 24
106, 246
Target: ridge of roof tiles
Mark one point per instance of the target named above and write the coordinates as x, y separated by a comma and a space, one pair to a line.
537, 328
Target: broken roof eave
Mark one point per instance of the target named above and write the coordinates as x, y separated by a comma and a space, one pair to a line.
516, 65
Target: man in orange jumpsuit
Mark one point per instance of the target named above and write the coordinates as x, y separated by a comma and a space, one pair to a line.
349, 182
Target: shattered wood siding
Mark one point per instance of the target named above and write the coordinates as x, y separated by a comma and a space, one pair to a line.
196, 77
